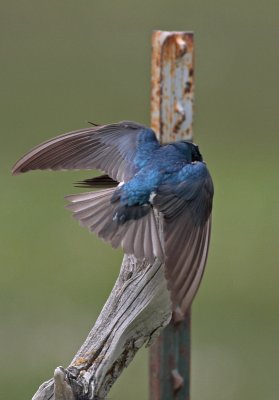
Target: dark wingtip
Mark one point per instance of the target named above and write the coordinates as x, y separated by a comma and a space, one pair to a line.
16, 170
102, 181
81, 184
92, 123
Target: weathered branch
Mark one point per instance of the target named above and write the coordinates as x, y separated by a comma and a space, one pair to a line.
137, 309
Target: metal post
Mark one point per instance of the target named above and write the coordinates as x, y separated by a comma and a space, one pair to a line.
172, 118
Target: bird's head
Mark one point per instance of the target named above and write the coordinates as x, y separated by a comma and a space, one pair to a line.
195, 152
190, 150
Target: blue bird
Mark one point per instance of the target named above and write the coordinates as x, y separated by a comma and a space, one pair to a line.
141, 176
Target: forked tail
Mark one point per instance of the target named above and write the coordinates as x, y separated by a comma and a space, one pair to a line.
138, 236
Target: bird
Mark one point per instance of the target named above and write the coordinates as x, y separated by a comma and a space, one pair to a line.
140, 179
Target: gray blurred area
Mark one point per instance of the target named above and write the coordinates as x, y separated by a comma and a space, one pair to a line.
64, 63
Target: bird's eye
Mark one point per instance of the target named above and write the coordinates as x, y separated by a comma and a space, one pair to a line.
196, 155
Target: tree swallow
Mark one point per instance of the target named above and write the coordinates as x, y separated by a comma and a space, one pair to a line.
141, 176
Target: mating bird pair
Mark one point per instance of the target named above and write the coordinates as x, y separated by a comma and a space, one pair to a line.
141, 176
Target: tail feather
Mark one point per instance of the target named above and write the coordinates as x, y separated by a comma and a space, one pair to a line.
95, 222
130, 237
82, 197
95, 211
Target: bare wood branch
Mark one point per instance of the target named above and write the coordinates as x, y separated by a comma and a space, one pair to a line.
136, 311
62, 388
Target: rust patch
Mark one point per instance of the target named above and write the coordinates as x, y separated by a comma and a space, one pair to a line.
177, 380
172, 85
80, 361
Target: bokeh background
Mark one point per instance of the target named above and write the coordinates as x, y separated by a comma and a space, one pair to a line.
66, 62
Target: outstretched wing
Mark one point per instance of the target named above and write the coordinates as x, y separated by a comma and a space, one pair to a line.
186, 205
111, 148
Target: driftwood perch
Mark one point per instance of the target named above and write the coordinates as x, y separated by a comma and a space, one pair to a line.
136, 311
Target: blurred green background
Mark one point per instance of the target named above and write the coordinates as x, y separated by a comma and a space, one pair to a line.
66, 62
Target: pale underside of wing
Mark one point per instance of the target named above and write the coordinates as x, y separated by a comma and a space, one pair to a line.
110, 148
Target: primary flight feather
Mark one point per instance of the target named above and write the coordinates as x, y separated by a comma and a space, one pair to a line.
140, 175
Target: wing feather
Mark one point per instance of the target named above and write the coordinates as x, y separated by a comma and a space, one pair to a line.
111, 148
186, 206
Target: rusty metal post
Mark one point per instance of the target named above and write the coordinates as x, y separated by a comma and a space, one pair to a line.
172, 93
